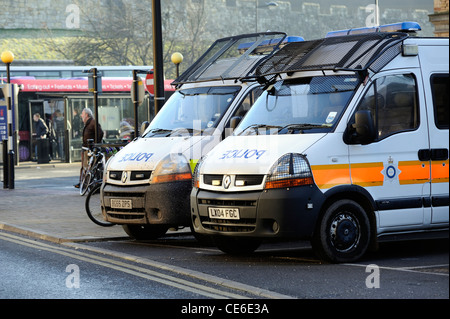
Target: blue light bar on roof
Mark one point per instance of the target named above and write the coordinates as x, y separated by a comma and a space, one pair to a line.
401, 27
394, 27
270, 43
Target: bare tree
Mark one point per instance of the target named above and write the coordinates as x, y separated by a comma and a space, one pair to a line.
115, 32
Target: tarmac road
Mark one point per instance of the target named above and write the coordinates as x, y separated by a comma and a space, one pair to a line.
44, 205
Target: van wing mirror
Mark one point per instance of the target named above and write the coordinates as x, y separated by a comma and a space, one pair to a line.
144, 126
231, 126
234, 121
362, 131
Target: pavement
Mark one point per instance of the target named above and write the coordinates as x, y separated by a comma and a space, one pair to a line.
45, 205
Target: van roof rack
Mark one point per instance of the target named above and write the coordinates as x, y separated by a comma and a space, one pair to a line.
234, 57
355, 53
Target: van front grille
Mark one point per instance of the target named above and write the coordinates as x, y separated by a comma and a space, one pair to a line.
219, 202
241, 180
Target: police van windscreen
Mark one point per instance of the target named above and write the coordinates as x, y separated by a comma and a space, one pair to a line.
295, 106
192, 111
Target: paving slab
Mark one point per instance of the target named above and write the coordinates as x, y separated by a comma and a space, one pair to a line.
44, 204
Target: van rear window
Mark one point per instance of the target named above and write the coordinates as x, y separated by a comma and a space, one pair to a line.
440, 89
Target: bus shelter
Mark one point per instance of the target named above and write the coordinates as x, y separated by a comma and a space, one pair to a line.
60, 103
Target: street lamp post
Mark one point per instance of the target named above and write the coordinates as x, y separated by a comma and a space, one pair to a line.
377, 14
158, 61
8, 163
177, 58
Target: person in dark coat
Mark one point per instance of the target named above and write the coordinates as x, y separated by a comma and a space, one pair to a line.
89, 127
40, 129
88, 134
77, 124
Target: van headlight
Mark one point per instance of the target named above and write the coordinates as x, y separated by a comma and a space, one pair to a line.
105, 170
196, 175
289, 171
172, 168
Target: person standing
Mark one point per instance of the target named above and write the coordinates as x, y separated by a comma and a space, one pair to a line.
88, 134
40, 129
59, 134
76, 124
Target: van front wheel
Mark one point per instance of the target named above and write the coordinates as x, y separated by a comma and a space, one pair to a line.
343, 233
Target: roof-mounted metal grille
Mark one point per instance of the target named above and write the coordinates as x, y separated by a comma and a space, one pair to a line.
352, 53
234, 57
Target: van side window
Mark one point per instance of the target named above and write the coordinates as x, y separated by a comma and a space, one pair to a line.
440, 90
392, 100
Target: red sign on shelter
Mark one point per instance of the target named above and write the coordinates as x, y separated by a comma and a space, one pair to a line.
149, 83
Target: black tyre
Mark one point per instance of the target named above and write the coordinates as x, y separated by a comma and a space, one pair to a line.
237, 246
203, 240
343, 233
93, 207
145, 232
85, 182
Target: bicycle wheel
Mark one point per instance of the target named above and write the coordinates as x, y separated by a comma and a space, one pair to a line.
93, 207
85, 182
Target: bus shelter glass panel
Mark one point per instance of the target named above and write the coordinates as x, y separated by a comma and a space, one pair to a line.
116, 117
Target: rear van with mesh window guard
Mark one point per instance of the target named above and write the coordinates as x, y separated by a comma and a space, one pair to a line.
147, 184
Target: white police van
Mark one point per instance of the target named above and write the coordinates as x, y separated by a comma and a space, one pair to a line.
348, 146
147, 184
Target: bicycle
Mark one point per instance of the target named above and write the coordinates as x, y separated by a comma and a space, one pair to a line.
94, 170
94, 176
93, 206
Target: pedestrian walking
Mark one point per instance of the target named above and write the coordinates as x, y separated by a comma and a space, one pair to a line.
88, 134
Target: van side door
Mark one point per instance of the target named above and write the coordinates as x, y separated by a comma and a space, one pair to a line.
434, 61
388, 166
438, 106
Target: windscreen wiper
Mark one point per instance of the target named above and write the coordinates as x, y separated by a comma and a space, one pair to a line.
181, 130
157, 131
255, 127
304, 126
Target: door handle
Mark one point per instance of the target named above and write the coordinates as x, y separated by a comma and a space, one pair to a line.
435, 154
424, 155
439, 154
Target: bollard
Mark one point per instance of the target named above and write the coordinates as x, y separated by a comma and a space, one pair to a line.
11, 169
5, 165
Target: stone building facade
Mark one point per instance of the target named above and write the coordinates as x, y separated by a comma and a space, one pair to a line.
310, 19
440, 18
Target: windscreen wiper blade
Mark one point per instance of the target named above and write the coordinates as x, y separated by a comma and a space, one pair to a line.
255, 127
158, 131
303, 126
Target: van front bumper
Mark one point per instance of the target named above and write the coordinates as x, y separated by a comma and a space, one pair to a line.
275, 213
156, 204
